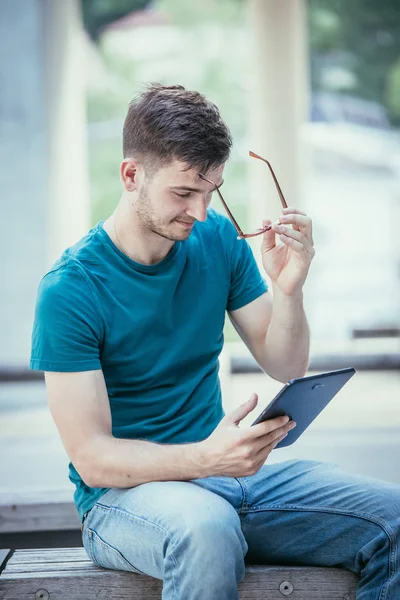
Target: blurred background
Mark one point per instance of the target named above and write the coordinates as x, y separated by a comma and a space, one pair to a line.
312, 85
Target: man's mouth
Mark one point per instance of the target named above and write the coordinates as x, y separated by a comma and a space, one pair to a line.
185, 223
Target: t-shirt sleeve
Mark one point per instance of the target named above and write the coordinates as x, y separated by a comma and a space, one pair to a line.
247, 283
67, 329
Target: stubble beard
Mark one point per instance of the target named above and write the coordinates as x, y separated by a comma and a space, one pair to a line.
145, 212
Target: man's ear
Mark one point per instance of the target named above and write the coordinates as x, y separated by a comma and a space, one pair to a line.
128, 174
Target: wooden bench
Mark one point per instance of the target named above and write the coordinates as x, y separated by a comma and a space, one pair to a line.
68, 574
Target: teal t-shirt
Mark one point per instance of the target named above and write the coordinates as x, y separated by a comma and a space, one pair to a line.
155, 331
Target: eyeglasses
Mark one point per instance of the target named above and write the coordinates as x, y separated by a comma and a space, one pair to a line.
230, 215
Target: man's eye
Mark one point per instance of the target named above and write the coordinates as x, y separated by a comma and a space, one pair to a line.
185, 195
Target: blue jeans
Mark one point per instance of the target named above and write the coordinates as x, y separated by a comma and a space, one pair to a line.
198, 535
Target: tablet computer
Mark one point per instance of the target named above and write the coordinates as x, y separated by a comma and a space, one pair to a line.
303, 399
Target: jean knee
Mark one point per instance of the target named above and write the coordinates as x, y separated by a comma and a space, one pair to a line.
212, 538
219, 533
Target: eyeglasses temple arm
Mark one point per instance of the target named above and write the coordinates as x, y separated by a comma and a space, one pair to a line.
232, 218
281, 196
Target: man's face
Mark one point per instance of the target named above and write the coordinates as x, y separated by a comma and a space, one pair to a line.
173, 199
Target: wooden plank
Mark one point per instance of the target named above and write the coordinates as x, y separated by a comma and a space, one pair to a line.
76, 577
49, 552
50, 555
51, 510
260, 583
41, 567
49, 561
300, 583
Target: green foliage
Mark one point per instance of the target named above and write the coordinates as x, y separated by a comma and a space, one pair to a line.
325, 32
192, 12
104, 106
393, 92
105, 185
364, 36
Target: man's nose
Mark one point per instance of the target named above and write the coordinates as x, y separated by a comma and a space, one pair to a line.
198, 209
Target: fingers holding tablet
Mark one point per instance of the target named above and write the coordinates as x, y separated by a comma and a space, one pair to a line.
273, 427
265, 449
271, 438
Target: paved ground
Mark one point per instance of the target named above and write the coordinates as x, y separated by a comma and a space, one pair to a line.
360, 430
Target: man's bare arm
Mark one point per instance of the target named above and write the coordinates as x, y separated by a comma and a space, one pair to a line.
128, 463
275, 329
287, 344
80, 408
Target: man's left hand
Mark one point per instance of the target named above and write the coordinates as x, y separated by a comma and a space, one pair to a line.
287, 263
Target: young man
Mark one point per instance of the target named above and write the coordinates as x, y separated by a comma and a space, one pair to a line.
128, 329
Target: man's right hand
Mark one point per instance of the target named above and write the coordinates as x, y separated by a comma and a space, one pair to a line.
238, 452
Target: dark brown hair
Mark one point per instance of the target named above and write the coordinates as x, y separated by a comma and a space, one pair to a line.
169, 122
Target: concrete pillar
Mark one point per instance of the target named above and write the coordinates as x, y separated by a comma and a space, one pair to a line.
68, 211
43, 168
278, 103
